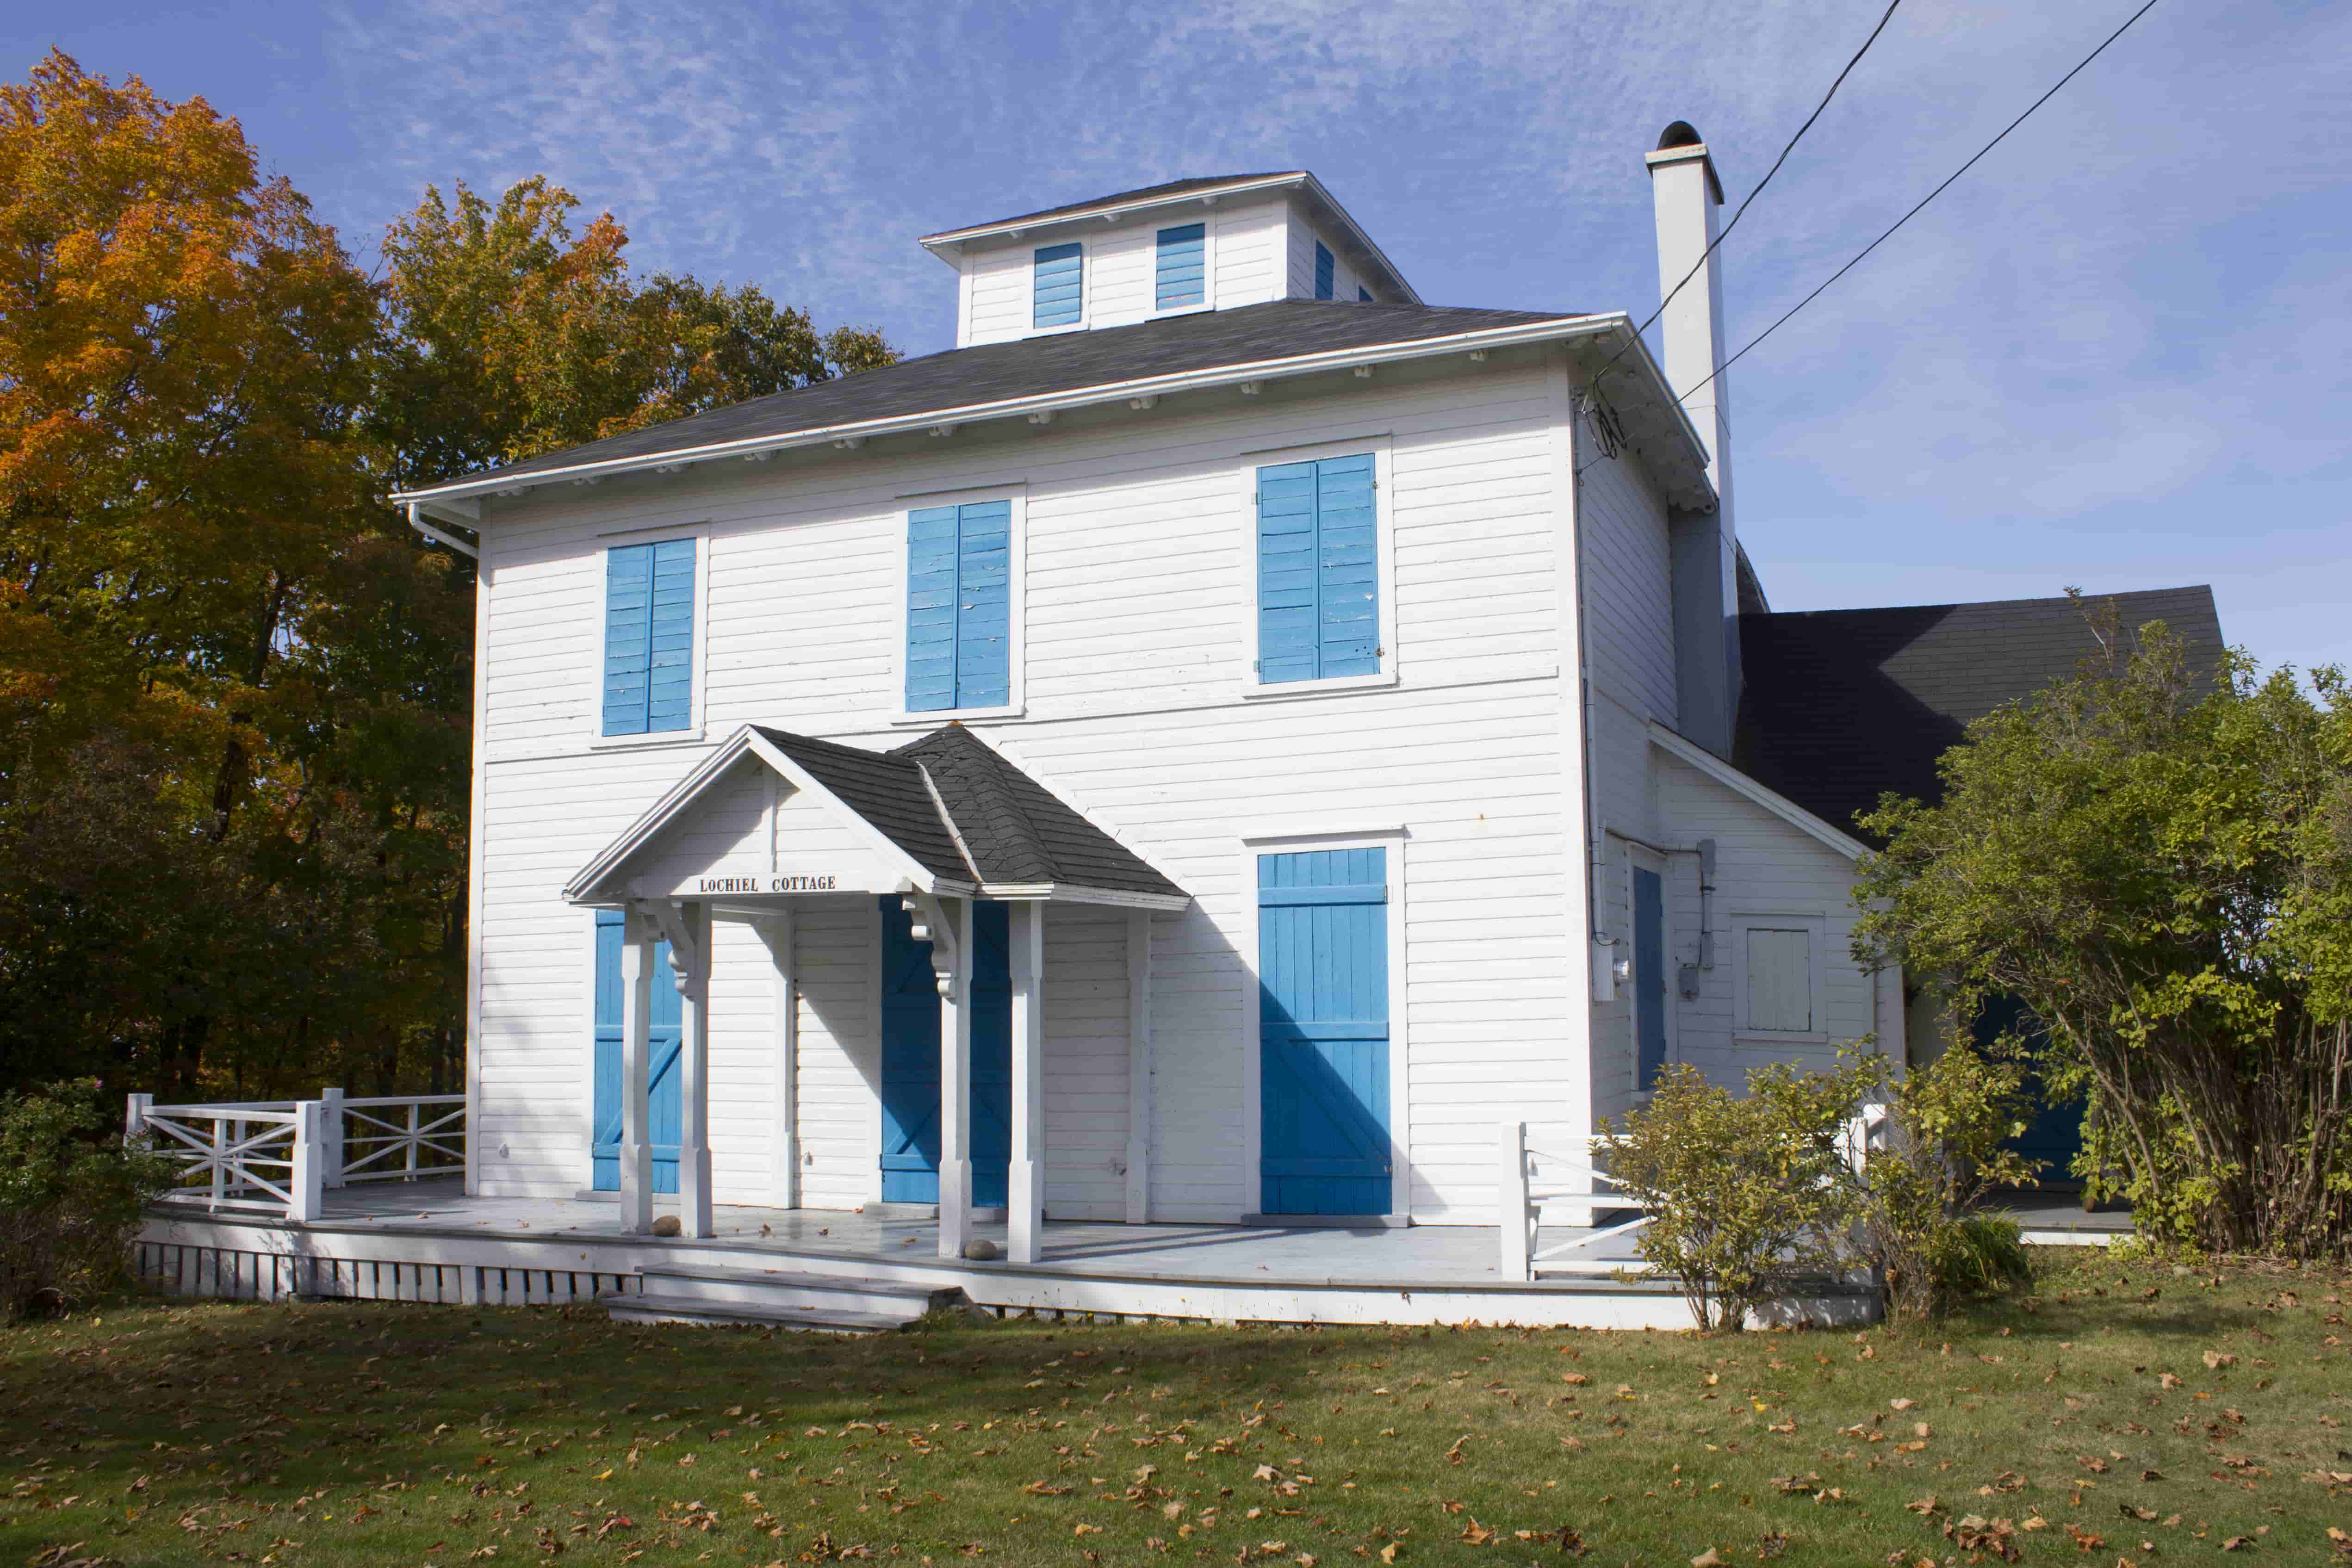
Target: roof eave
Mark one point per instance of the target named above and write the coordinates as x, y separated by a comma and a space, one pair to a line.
1563, 328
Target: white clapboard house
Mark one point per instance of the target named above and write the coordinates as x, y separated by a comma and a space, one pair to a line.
1218, 747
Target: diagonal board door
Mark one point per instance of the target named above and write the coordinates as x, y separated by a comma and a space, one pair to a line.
662, 1074
1323, 1032
910, 1058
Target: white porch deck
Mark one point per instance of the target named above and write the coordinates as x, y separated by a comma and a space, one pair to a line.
428, 1241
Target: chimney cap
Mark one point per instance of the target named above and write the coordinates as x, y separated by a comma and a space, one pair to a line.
1681, 133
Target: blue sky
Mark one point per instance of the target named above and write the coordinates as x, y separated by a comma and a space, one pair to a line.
2118, 354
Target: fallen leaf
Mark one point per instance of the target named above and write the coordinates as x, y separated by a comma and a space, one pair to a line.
1709, 1558
1900, 1404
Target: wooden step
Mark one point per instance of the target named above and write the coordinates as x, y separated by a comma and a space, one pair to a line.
658, 1307
786, 1288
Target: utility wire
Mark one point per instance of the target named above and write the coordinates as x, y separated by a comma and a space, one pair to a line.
1742, 212
1930, 196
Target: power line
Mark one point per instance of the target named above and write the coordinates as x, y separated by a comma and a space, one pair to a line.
1930, 196
1741, 211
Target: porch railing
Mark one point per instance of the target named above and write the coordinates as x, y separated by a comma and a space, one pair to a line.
282, 1155
1545, 1165
1551, 1165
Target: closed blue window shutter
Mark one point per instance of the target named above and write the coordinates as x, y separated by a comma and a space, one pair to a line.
650, 637
1182, 276
1322, 272
1363, 295
959, 607
1318, 571
1059, 275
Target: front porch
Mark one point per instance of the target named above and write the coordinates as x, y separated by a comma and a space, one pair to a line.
428, 1241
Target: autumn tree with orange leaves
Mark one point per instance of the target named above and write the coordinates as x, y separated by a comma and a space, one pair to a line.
234, 687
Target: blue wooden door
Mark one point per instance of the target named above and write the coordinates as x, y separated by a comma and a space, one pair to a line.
1649, 976
910, 1058
610, 1006
1323, 1032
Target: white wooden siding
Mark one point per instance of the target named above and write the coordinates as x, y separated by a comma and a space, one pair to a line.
1763, 866
1248, 265
1138, 583
1629, 575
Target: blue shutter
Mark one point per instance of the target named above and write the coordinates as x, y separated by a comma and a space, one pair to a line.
1318, 571
1649, 978
1322, 272
1363, 295
1182, 276
628, 637
1055, 287
650, 637
959, 607
669, 698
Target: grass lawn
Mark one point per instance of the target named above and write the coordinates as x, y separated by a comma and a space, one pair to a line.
2125, 1412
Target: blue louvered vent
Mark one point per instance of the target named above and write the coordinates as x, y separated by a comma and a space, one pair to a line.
1318, 590
959, 607
650, 637
1060, 276
1322, 272
1182, 277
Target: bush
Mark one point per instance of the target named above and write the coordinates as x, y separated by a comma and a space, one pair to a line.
71, 1198
1744, 1193
1941, 1152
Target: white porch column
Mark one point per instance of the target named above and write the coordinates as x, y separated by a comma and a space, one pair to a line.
636, 1153
1026, 1189
950, 924
1139, 1066
689, 929
776, 931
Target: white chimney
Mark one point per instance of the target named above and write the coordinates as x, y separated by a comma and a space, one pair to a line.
1685, 193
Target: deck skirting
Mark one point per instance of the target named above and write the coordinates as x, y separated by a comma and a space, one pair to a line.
249, 1258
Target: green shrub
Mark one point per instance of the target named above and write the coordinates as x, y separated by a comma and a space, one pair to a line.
1744, 1191
1940, 1152
71, 1198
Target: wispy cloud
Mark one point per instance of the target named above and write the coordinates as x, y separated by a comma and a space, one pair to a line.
2134, 306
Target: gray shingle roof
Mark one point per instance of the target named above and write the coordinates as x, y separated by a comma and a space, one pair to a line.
1842, 706
1015, 830
1043, 367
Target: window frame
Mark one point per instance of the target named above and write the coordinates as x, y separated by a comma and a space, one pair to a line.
1086, 286
1208, 300
697, 714
1016, 596
1384, 550
1736, 927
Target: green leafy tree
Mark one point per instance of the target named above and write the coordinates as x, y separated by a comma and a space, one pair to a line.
234, 687
72, 1194
2159, 867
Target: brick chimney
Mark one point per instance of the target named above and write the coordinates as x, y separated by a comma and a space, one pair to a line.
1685, 195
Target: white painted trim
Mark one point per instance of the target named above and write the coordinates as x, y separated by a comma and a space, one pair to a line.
597, 739
1399, 1050
778, 930
416, 520
1321, 828
484, 577
586, 1035
1246, 465
1692, 493
1779, 805
1074, 893
1735, 927
1576, 904
1139, 1067
1016, 495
